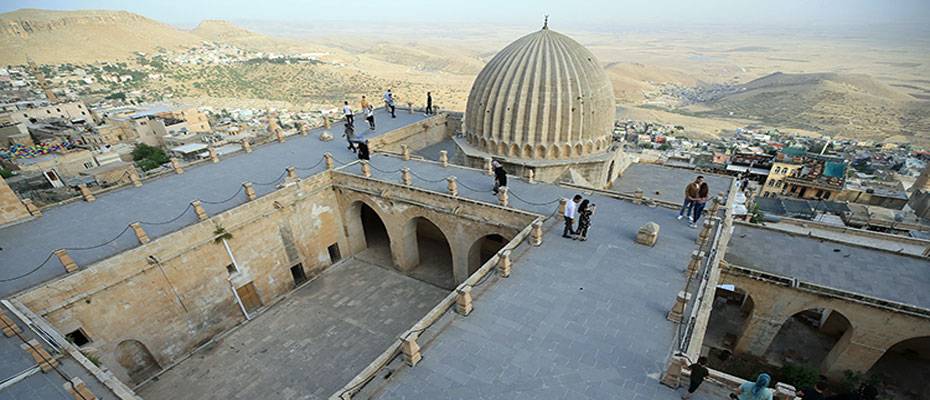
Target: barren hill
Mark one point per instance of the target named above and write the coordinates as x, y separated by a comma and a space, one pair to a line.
633, 82
52, 37
834, 104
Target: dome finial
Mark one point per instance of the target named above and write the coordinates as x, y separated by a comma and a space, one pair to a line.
546, 22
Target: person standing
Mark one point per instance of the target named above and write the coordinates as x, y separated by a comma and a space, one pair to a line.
363, 152
758, 390
347, 111
697, 209
370, 116
350, 137
429, 103
364, 103
389, 102
691, 191
699, 372
571, 208
585, 211
500, 176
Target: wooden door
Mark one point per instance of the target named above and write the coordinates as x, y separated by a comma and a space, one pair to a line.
249, 297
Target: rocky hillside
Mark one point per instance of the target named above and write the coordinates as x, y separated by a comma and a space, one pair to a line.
52, 37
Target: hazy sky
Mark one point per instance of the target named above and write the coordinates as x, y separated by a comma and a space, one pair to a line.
567, 12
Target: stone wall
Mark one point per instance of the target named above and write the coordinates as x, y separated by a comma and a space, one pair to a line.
419, 135
12, 209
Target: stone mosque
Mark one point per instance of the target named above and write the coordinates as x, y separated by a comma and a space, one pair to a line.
290, 270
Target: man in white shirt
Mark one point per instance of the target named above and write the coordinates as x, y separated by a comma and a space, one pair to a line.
389, 102
347, 111
571, 208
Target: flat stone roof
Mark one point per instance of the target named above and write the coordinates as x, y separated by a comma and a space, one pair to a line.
82, 226
867, 271
574, 320
666, 183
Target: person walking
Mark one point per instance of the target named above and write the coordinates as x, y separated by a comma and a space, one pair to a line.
691, 191
571, 208
350, 137
500, 176
363, 152
585, 211
699, 372
370, 116
347, 111
758, 390
389, 102
429, 104
697, 208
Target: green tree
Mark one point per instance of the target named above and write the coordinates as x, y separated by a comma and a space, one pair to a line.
148, 157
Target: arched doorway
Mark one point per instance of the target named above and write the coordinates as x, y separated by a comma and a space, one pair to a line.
377, 242
806, 338
731, 310
137, 360
904, 369
483, 249
433, 255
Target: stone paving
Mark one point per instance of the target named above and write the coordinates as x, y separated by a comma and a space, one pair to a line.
666, 183
310, 344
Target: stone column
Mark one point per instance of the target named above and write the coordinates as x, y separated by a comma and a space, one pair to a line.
853, 352
325, 122
140, 233
502, 197
198, 209
453, 186
444, 158
86, 194
503, 263
411, 350
249, 191
676, 314
66, 260
463, 300
177, 166
758, 333
366, 168
537, 233
213, 156
405, 176
134, 177
246, 146
695, 264
488, 167
329, 160
31, 208
672, 375
405, 152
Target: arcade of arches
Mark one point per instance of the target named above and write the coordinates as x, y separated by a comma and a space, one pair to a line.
786, 325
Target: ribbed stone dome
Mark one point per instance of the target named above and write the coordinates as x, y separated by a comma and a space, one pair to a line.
544, 96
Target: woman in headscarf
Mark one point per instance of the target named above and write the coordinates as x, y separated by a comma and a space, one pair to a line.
758, 390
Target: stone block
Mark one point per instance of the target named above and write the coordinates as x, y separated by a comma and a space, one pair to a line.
43, 359
86, 194
66, 260
648, 234
78, 390
504, 264
463, 300
176, 165
198, 209
246, 146
326, 136
411, 350
140, 233
249, 191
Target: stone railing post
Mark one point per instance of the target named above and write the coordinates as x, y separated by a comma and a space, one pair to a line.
705, 235
31, 208
537, 233
676, 314
326, 122
638, 196
78, 390
249, 191
463, 300
330, 164
66, 260
304, 129
292, 174
504, 264
453, 186
405, 152
279, 135
672, 375
86, 194
488, 167
444, 158
246, 146
214, 157
411, 350
503, 198
176, 165
140, 233
405, 176
695, 264
366, 168
134, 177
198, 209
531, 176
563, 204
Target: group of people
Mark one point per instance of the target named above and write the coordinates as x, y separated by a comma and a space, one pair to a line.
579, 209
357, 145
369, 109
759, 389
696, 195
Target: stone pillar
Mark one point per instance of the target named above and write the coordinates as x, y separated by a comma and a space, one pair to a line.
8, 326
672, 375
648, 234
43, 359
246, 146
78, 390
249, 191
292, 174
676, 314
66, 260
135, 178
279, 135
695, 264
453, 186
304, 129
502, 197
563, 204
927, 252
198, 209
411, 350
537, 233
531, 175
366, 168
706, 234
852, 352
405, 152
638, 196
444, 158
488, 167
31, 208
330, 164
140, 233
86, 194
213, 156
463, 300
758, 333
503, 263
410, 108
326, 122
177, 166
405, 176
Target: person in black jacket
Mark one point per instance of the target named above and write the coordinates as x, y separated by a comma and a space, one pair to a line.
500, 176
363, 153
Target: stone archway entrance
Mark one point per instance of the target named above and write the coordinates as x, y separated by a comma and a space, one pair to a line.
378, 244
905, 369
431, 253
139, 363
483, 249
807, 337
